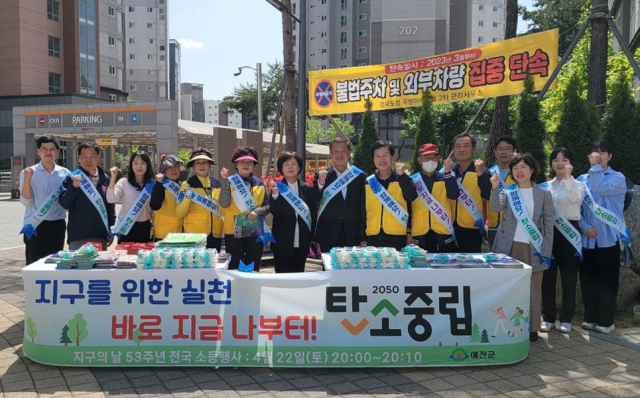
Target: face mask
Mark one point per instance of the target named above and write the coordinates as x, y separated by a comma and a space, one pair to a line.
430, 166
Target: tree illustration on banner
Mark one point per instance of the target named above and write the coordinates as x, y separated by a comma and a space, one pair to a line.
475, 334
485, 336
32, 331
77, 329
64, 336
136, 337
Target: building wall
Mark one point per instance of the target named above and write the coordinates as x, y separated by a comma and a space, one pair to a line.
174, 69
488, 19
147, 49
112, 66
193, 93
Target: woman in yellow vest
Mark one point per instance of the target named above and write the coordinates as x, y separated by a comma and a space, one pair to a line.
198, 219
241, 229
163, 200
383, 227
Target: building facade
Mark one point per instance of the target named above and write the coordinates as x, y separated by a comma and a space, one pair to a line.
174, 70
112, 50
192, 101
217, 113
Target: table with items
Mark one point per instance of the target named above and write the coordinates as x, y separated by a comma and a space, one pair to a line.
178, 305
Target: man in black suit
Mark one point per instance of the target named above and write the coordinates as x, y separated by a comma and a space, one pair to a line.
342, 222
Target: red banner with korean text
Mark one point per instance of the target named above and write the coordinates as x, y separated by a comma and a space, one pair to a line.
474, 73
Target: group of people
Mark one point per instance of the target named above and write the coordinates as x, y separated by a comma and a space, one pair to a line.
446, 207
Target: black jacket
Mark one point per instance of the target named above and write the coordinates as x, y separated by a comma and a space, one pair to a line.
340, 214
284, 219
84, 220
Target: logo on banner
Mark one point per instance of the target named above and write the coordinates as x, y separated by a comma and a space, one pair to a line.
324, 93
459, 355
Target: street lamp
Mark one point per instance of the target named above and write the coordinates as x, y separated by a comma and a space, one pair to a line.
258, 70
301, 128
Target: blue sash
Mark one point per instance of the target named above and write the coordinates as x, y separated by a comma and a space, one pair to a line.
432, 203
605, 215
244, 201
520, 211
124, 226
171, 186
337, 186
296, 202
495, 170
205, 202
31, 223
471, 207
388, 201
94, 197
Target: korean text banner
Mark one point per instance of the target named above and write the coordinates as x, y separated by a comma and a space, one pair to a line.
347, 318
474, 73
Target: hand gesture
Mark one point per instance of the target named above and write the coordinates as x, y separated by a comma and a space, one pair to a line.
495, 181
28, 173
399, 168
273, 187
252, 216
568, 170
159, 177
322, 177
448, 164
594, 158
591, 232
76, 181
114, 171
224, 173
479, 163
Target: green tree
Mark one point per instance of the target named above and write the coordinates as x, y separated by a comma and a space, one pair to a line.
425, 129
621, 130
362, 154
578, 126
530, 129
485, 336
476, 337
316, 134
32, 330
64, 336
78, 329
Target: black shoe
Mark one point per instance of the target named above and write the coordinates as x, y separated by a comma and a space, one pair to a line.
533, 336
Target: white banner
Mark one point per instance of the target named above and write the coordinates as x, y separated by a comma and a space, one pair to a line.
215, 317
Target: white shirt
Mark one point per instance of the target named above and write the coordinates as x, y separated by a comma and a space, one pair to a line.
127, 194
527, 197
296, 234
567, 197
42, 184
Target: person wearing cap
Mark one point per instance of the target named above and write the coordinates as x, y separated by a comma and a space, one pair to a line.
428, 230
197, 219
384, 228
163, 203
240, 236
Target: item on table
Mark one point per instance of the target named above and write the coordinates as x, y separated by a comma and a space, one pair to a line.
127, 261
464, 257
417, 256
83, 258
506, 262
368, 258
176, 240
442, 258
179, 257
490, 257
107, 260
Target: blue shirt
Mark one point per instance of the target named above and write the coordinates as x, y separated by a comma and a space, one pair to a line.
608, 188
42, 184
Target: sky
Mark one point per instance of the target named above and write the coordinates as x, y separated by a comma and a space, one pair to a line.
218, 36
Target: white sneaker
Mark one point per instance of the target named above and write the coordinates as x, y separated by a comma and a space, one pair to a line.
588, 326
565, 327
604, 329
547, 326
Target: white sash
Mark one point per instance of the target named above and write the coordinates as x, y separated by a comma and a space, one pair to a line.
432, 203
388, 201
520, 211
296, 202
94, 197
337, 186
495, 170
171, 186
31, 223
244, 199
471, 206
605, 215
565, 227
205, 202
124, 226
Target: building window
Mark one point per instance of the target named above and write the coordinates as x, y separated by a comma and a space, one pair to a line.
495, 40
480, 39
151, 87
132, 56
112, 41
362, 1
480, 23
294, 8
323, 51
344, 66
344, 20
54, 47
362, 33
132, 24
323, 34
162, 58
149, 9
162, 17
362, 64
150, 41
343, 53
132, 40
343, 4
495, 24
323, 2
343, 37
323, 18
323, 66
362, 50
149, 56
132, 9
151, 72
160, 10
149, 25
495, 8
162, 48
53, 10
54, 83
362, 17
133, 87
113, 97
112, 11
112, 70
133, 72
481, 7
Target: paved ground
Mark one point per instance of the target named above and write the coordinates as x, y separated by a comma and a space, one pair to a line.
579, 364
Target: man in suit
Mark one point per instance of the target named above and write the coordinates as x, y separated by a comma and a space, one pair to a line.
342, 221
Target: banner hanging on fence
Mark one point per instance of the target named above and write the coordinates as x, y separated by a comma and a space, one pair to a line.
473, 73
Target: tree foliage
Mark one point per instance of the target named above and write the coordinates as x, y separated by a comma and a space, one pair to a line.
530, 129
620, 129
77, 329
425, 130
362, 154
316, 134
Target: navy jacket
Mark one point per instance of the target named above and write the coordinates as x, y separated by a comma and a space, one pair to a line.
84, 220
